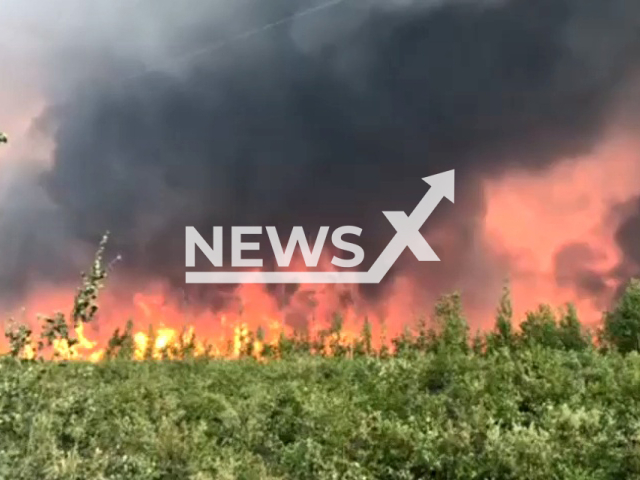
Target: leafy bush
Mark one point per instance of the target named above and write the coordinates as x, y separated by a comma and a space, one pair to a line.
532, 413
621, 328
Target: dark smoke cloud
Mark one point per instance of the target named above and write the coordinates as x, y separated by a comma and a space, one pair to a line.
328, 120
627, 237
573, 268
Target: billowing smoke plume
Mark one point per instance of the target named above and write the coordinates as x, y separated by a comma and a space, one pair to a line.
164, 114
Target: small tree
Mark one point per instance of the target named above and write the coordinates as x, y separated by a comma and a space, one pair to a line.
540, 328
572, 335
452, 327
364, 344
621, 328
502, 336
57, 329
121, 346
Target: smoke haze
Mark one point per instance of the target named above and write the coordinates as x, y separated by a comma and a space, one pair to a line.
143, 117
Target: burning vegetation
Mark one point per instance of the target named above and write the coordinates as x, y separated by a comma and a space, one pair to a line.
537, 402
262, 337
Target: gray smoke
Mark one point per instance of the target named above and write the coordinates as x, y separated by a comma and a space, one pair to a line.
164, 115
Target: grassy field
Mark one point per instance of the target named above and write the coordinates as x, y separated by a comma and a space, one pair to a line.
529, 413
546, 400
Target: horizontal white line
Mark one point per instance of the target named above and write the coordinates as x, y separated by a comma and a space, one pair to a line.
280, 277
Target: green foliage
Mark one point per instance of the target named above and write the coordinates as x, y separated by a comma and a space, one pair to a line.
121, 345
84, 305
363, 346
19, 337
57, 329
562, 331
534, 413
572, 335
540, 328
503, 336
621, 329
451, 325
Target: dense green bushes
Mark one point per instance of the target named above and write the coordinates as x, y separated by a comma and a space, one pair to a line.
533, 413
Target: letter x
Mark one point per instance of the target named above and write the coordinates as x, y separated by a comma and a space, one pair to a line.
408, 230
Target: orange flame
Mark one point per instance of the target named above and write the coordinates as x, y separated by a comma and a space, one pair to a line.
529, 219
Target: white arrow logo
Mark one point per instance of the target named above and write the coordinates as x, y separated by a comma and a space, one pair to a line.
407, 236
